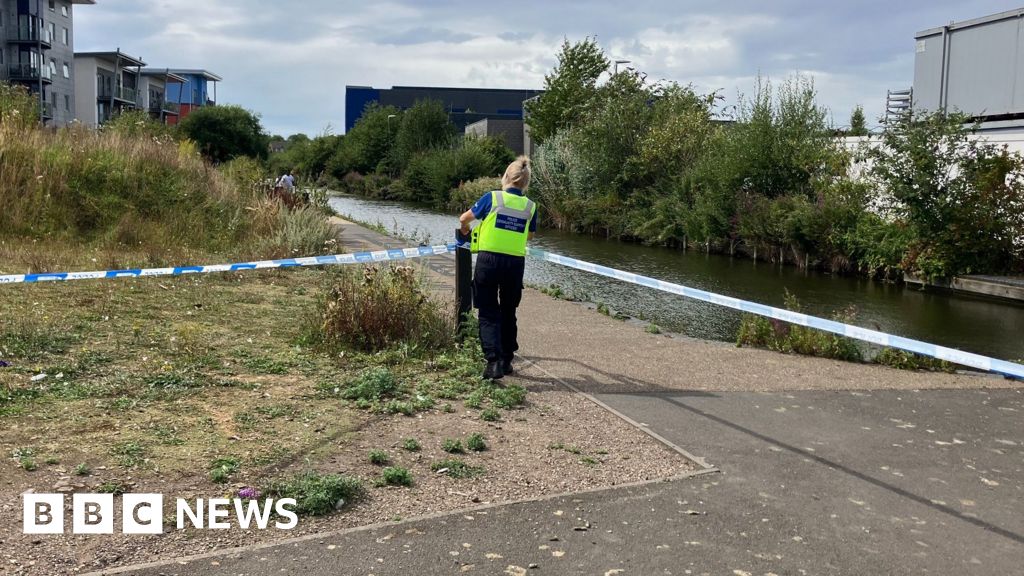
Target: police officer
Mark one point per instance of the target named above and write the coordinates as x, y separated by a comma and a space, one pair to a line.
508, 219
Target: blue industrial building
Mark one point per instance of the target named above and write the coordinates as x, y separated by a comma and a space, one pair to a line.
465, 105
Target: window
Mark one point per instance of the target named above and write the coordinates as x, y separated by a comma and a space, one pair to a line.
67, 71
53, 67
52, 28
64, 11
53, 5
66, 37
67, 103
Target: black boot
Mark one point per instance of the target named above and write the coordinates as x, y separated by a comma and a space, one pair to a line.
493, 371
506, 367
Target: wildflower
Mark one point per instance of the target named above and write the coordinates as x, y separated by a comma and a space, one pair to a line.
249, 493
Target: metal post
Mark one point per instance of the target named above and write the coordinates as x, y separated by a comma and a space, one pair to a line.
463, 282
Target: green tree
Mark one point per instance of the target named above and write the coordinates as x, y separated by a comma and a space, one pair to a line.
368, 145
568, 89
226, 132
963, 198
423, 127
858, 124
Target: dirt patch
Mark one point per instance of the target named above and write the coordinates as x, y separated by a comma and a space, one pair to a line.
147, 384
557, 442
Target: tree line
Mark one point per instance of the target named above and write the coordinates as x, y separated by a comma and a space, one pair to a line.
651, 162
413, 155
624, 157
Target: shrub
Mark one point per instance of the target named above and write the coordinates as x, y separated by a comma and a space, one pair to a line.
411, 445
490, 415
316, 494
381, 309
467, 193
379, 457
396, 476
226, 132
509, 397
962, 197
476, 443
371, 384
761, 332
452, 446
430, 176
423, 127
903, 360
456, 468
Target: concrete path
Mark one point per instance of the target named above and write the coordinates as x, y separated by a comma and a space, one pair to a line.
816, 482
826, 468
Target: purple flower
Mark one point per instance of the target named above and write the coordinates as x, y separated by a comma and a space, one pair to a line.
3, 364
249, 493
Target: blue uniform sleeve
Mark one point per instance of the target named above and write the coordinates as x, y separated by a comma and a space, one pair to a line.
533, 222
482, 207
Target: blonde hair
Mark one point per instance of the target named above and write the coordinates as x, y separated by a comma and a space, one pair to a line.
517, 175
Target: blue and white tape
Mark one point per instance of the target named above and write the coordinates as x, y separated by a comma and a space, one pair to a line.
354, 258
880, 338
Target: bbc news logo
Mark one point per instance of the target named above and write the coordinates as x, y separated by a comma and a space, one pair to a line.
144, 514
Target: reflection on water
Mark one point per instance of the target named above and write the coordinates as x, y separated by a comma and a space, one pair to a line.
977, 325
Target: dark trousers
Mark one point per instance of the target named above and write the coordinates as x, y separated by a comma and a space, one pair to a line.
497, 291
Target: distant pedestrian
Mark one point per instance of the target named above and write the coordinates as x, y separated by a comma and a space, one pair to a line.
508, 219
286, 182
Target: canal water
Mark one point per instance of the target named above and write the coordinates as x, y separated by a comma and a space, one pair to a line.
973, 324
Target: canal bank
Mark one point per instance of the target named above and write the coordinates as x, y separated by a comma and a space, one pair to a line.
976, 325
1008, 288
601, 354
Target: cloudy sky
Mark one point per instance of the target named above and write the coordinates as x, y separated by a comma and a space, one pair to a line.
291, 60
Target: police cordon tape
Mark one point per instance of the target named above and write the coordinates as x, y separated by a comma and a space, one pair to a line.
880, 338
872, 336
354, 258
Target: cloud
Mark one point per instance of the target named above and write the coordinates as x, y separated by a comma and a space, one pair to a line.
291, 60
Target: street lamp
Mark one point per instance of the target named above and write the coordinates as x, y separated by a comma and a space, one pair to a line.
617, 62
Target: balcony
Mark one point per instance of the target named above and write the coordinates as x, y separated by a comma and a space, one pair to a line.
126, 94
47, 110
30, 35
119, 93
29, 73
171, 108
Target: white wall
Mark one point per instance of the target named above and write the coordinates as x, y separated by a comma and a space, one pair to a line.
145, 82
86, 91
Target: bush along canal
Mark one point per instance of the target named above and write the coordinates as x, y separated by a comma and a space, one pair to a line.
973, 324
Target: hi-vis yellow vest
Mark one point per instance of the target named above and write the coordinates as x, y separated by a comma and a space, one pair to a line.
506, 227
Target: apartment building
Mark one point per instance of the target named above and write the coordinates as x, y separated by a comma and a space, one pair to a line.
199, 89
153, 92
106, 84
37, 51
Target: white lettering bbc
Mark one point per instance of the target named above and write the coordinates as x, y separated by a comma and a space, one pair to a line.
144, 513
